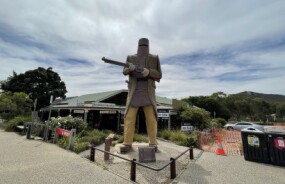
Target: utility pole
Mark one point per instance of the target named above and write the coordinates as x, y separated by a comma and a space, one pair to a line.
47, 125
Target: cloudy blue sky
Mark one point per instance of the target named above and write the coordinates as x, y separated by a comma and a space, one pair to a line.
204, 46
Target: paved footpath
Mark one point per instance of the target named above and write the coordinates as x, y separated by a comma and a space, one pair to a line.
214, 169
25, 161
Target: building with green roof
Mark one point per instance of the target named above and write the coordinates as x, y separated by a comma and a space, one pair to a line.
105, 110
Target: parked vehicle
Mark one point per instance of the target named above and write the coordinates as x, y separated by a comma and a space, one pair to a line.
241, 125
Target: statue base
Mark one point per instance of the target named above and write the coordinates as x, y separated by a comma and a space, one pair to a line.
146, 154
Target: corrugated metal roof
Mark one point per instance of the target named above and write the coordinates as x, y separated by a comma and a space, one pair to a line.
163, 101
94, 97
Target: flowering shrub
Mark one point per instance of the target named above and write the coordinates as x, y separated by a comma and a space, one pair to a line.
68, 123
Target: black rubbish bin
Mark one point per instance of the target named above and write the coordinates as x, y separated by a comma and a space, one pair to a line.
276, 144
254, 143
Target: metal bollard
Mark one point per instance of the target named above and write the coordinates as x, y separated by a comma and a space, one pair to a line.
191, 153
92, 154
133, 170
29, 131
45, 136
172, 168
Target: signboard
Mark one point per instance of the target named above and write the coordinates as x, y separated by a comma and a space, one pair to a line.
100, 104
172, 112
70, 134
78, 111
163, 115
63, 132
108, 112
162, 111
147, 154
51, 99
186, 127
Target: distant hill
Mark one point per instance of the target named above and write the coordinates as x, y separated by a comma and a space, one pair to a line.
266, 97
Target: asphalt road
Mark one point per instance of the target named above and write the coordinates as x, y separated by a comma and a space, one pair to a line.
214, 169
25, 161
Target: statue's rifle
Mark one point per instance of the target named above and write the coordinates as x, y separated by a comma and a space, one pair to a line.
138, 68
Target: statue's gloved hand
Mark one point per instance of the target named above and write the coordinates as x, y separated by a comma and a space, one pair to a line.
145, 72
132, 67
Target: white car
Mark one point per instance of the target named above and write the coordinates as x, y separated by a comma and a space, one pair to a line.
241, 125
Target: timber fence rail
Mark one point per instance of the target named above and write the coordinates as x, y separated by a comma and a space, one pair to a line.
133, 162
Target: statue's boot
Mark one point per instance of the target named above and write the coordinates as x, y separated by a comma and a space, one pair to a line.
125, 148
155, 147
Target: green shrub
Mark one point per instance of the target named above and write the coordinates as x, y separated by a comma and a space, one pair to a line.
94, 140
140, 138
97, 133
80, 146
63, 142
11, 125
192, 139
199, 118
165, 134
218, 122
94, 137
38, 130
119, 138
137, 138
14, 104
179, 137
107, 132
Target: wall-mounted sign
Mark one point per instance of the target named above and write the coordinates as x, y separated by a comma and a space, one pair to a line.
172, 112
108, 112
163, 115
78, 111
162, 111
99, 104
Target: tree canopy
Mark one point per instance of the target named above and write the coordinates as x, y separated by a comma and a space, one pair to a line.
196, 116
39, 84
14, 104
212, 104
239, 106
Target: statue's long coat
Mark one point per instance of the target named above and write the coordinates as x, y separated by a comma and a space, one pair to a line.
153, 65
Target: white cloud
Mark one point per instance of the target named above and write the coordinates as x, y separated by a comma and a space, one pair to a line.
48, 33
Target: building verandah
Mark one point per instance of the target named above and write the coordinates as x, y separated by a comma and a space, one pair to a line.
106, 111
